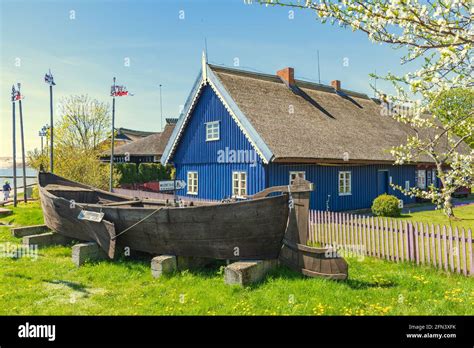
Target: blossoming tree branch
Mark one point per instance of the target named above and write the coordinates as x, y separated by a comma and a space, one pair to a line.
436, 100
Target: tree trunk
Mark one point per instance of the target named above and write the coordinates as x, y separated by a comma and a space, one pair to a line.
446, 193
448, 206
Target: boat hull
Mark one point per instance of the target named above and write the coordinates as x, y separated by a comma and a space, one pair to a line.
252, 229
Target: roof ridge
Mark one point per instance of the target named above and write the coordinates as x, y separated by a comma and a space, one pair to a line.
274, 78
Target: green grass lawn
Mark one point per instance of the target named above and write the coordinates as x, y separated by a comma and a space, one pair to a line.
464, 213
24, 214
52, 285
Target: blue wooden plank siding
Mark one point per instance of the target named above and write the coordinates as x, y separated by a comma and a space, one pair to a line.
326, 180
194, 153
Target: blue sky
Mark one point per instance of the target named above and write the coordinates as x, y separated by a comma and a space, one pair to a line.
85, 52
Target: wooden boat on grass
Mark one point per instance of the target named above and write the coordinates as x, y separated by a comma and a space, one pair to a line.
255, 228
250, 229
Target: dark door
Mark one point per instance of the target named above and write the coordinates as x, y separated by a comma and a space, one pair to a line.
382, 182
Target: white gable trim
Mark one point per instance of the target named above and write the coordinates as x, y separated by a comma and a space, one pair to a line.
241, 120
182, 120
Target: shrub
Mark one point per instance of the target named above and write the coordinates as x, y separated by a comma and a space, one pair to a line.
386, 205
128, 173
152, 172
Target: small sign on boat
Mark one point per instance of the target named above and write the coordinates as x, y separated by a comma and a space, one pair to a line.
169, 185
90, 216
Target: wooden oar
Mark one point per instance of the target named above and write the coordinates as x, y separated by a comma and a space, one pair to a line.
114, 204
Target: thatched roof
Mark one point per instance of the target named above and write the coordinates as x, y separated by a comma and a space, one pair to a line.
131, 134
152, 145
300, 122
324, 126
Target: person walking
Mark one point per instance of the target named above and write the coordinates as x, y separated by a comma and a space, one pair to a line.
6, 191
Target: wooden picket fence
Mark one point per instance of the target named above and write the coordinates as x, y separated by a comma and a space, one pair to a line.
438, 246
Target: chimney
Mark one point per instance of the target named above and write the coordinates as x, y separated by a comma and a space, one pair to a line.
287, 75
336, 84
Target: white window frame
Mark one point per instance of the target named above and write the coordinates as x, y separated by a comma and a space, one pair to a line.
192, 183
421, 185
407, 185
213, 131
239, 184
294, 174
346, 176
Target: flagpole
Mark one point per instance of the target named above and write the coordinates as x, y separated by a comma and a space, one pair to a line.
113, 141
161, 111
25, 198
14, 148
51, 155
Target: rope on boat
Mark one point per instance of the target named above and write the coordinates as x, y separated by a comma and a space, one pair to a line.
137, 223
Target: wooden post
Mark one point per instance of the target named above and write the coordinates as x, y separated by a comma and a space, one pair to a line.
457, 254
416, 244
422, 243
438, 240
464, 254
411, 250
450, 250
433, 248
445, 251
401, 240
405, 241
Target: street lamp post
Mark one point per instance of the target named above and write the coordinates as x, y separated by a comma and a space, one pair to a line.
42, 133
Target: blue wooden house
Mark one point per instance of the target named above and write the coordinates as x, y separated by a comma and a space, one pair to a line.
241, 132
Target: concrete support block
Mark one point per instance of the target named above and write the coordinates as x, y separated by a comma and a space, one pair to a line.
244, 273
191, 262
5, 212
47, 239
87, 252
163, 264
21, 232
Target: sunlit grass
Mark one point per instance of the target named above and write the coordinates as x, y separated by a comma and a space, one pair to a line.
52, 285
464, 217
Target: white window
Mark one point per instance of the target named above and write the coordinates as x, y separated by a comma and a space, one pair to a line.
192, 183
345, 183
239, 184
212, 131
294, 175
421, 179
407, 185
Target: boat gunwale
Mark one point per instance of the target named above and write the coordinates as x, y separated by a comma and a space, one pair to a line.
44, 190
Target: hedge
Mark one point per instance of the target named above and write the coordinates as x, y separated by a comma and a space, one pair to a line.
128, 171
145, 172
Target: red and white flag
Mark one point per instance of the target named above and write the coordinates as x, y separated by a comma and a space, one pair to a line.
119, 91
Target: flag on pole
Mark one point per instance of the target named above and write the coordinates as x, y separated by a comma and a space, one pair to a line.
49, 79
119, 91
13, 93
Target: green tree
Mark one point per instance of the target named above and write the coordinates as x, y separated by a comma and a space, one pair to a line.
79, 139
